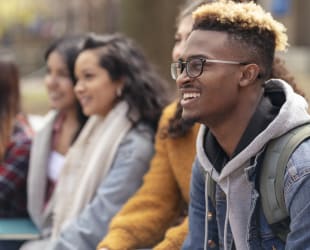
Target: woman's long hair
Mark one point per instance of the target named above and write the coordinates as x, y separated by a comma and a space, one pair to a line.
10, 103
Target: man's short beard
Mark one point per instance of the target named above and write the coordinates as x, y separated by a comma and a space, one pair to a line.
189, 121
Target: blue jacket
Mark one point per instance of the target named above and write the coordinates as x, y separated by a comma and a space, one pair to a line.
125, 177
237, 219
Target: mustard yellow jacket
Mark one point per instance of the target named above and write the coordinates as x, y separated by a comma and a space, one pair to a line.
148, 218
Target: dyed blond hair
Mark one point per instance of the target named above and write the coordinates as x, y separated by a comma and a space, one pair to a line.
245, 16
251, 28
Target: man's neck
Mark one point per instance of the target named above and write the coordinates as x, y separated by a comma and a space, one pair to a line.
229, 132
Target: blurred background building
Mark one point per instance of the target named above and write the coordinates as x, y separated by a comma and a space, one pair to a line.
28, 26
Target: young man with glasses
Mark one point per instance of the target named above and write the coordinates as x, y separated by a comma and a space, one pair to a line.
222, 78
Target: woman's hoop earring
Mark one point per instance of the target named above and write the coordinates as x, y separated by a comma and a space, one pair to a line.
119, 92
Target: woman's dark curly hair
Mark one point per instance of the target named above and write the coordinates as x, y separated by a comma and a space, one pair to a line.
279, 70
144, 89
69, 48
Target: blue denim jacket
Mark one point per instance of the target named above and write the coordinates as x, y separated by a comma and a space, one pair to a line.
259, 234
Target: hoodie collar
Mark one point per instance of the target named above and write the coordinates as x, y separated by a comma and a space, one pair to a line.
292, 113
264, 114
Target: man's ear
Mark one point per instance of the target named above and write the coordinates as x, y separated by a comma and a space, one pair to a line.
249, 74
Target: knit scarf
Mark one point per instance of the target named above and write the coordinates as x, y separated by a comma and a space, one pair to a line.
87, 163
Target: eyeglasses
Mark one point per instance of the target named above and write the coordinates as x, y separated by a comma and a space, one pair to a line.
194, 66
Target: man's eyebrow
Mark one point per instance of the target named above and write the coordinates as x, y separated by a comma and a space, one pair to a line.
197, 56
185, 58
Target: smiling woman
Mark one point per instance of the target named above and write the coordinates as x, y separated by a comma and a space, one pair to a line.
58, 83
59, 130
123, 95
95, 89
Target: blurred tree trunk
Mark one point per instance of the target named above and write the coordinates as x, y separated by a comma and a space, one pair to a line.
303, 36
152, 25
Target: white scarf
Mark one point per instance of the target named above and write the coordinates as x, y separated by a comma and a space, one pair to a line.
87, 163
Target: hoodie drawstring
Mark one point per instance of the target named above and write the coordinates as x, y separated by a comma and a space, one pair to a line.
226, 216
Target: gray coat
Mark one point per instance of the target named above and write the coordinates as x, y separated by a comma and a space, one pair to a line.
124, 178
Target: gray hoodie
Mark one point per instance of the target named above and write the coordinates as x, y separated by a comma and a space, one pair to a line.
233, 177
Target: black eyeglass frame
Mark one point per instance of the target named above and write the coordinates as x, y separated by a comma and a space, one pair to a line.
185, 65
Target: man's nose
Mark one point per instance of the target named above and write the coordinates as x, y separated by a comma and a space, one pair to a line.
182, 78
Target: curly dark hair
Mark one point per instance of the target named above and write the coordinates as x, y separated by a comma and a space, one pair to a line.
69, 48
144, 89
279, 70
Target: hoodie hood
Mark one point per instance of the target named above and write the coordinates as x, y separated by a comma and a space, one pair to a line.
233, 179
292, 113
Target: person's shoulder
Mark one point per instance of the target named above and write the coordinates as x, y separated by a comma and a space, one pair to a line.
298, 165
167, 114
170, 110
301, 156
139, 141
141, 131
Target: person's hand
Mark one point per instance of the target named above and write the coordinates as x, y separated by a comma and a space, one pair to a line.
104, 248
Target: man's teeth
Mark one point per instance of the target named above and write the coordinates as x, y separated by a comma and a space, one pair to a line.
190, 95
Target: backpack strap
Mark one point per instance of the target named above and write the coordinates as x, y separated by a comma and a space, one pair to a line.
271, 183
